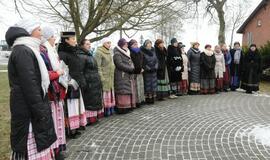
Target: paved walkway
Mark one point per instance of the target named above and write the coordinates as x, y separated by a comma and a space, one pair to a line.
227, 126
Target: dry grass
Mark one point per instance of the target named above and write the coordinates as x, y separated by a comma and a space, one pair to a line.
265, 87
4, 117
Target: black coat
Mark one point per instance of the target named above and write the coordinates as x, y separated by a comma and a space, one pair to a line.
174, 60
69, 55
137, 59
251, 71
92, 93
27, 101
207, 68
235, 69
162, 62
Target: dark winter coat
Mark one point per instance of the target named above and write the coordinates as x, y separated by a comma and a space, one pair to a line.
124, 70
92, 93
162, 62
251, 71
194, 61
235, 69
150, 66
137, 59
208, 64
69, 55
174, 60
27, 101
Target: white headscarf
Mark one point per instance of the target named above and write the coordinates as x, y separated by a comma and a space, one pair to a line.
47, 33
28, 24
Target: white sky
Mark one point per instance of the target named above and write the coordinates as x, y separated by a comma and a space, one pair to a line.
207, 34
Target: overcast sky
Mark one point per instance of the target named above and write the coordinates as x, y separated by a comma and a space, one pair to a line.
207, 33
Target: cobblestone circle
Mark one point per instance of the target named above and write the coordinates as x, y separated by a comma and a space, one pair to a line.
204, 127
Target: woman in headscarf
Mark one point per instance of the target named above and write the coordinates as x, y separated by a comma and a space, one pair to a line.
219, 68
252, 70
207, 69
75, 109
194, 68
92, 93
56, 92
150, 66
175, 67
106, 72
237, 60
32, 127
184, 82
228, 60
124, 82
163, 88
137, 59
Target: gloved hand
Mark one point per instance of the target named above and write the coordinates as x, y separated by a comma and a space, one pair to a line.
74, 84
177, 69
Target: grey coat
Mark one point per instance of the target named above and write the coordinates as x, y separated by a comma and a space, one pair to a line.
194, 61
124, 69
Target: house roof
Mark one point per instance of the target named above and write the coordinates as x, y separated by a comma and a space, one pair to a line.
257, 9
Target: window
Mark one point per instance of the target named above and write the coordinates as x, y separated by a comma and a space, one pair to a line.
259, 23
249, 38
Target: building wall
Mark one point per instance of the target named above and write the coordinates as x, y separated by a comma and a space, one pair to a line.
254, 33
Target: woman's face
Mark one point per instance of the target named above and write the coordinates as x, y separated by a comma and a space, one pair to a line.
87, 45
175, 44
237, 46
125, 45
135, 45
196, 46
161, 45
253, 48
37, 33
224, 47
51, 40
209, 48
71, 41
107, 45
149, 45
217, 49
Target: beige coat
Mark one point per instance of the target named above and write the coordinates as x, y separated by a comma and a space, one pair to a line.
105, 67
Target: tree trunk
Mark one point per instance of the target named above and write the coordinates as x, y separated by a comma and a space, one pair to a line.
222, 24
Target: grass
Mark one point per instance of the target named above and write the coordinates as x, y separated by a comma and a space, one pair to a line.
4, 117
265, 87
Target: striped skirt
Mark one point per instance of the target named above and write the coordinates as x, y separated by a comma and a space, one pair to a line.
109, 102
59, 125
76, 115
32, 153
207, 86
124, 101
139, 89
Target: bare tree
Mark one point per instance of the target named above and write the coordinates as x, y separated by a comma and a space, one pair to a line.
102, 17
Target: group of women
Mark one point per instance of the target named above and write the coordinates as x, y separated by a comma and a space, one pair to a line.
58, 91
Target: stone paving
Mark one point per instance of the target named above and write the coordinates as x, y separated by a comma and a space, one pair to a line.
204, 127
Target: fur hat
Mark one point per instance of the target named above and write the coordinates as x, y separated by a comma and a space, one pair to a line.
67, 34
122, 42
146, 42
207, 46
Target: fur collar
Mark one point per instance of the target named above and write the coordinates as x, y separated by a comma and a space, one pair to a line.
208, 53
127, 53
